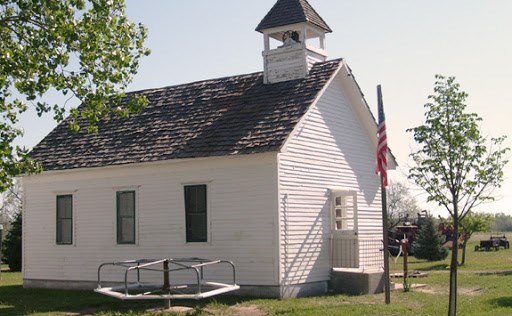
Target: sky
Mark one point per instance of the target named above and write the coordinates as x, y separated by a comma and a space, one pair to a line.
400, 44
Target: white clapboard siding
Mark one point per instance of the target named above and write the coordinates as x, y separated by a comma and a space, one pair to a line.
283, 64
242, 216
329, 150
290, 62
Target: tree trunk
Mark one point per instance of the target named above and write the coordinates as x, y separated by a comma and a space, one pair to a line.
452, 306
464, 243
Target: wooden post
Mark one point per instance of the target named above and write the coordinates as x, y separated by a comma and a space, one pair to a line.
405, 250
167, 286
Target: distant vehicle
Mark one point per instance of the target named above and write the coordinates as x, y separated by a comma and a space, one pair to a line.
494, 242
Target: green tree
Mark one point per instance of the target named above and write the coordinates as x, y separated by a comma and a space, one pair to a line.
455, 164
502, 223
11, 246
83, 49
429, 242
473, 223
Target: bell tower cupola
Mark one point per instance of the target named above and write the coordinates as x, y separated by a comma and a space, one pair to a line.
294, 40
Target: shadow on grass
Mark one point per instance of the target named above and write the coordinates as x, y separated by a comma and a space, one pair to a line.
499, 273
505, 301
15, 300
436, 267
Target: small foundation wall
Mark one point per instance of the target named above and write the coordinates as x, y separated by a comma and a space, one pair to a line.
262, 291
356, 282
59, 284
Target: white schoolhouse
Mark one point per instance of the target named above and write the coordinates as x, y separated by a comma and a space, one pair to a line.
273, 170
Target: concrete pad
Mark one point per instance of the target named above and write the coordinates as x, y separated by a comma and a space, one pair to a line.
356, 282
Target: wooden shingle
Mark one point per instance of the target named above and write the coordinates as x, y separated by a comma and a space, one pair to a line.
287, 12
218, 117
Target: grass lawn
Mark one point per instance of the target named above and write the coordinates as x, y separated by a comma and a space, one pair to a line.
485, 288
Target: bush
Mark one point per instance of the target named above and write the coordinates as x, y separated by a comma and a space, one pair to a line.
429, 242
11, 246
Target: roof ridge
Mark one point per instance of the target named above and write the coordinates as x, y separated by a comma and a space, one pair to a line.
303, 9
195, 82
306, 6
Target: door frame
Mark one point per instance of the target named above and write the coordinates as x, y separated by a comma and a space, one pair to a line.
344, 228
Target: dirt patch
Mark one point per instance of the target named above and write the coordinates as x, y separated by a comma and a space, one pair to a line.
246, 310
431, 290
84, 312
471, 291
180, 310
461, 291
249, 310
235, 310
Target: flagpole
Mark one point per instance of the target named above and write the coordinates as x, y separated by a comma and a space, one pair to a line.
385, 239
383, 183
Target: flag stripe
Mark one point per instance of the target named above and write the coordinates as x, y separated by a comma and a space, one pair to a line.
382, 147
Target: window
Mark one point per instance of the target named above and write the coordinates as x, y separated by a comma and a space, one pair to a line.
344, 210
64, 220
126, 217
195, 213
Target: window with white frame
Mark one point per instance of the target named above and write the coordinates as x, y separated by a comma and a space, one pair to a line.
344, 210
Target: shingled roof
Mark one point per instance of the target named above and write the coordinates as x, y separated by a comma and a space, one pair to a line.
286, 12
219, 117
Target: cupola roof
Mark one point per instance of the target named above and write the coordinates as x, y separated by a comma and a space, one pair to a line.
286, 12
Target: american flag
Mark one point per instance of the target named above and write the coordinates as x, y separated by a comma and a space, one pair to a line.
382, 148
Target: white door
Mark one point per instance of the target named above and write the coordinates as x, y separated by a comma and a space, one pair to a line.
344, 240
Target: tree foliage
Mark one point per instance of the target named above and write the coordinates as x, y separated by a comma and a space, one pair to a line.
473, 223
455, 164
502, 223
83, 49
11, 245
429, 242
401, 204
